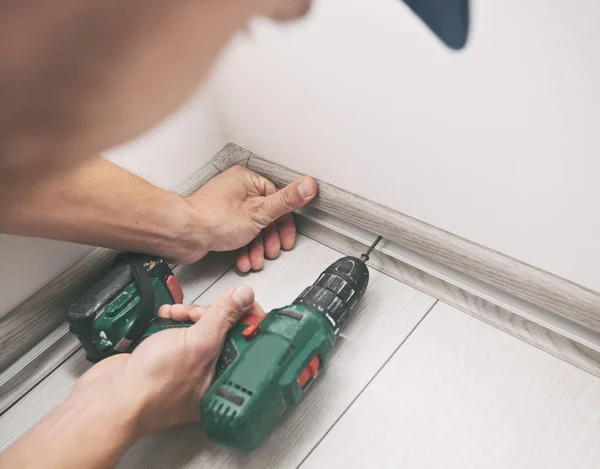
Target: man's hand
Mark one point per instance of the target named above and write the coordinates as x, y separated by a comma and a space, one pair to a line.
240, 209
102, 204
123, 397
167, 374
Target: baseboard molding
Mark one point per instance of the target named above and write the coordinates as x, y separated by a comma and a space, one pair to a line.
542, 309
37, 363
567, 299
538, 328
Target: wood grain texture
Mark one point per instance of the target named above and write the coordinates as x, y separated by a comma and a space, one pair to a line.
388, 313
197, 180
467, 298
541, 288
26, 325
41, 399
461, 395
229, 156
35, 365
31, 321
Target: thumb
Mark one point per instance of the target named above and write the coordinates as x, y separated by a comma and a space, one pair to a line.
293, 196
222, 315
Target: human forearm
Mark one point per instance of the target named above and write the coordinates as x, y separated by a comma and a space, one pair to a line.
99, 203
83, 431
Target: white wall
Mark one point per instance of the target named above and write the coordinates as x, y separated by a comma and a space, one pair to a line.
498, 143
166, 156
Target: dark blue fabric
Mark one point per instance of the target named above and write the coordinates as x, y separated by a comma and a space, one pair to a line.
447, 19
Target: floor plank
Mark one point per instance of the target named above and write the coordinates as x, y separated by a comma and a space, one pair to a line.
461, 394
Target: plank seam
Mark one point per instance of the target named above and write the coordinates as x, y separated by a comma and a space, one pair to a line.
46, 376
367, 385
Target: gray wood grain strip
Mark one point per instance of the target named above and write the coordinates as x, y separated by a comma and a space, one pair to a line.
38, 316
388, 313
467, 299
460, 394
35, 365
41, 399
229, 156
541, 288
197, 180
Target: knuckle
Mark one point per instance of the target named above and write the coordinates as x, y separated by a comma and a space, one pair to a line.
229, 317
259, 212
287, 200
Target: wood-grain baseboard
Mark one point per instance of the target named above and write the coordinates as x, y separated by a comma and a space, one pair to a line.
570, 329
558, 295
510, 317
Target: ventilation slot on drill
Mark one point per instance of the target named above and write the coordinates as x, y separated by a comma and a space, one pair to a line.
239, 388
287, 354
222, 412
229, 395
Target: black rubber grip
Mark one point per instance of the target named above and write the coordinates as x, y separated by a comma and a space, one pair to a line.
144, 285
290, 314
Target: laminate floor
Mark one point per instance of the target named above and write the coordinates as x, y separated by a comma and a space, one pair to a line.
461, 394
412, 384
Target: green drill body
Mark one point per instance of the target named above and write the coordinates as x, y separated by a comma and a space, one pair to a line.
256, 389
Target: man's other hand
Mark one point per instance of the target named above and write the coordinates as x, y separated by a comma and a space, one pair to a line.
241, 210
161, 383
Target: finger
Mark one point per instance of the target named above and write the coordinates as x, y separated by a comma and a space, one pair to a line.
291, 197
243, 260
195, 314
272, 242
263, 185
257, 252
179, 312
220, 316
287, 231
164, 311
256, 310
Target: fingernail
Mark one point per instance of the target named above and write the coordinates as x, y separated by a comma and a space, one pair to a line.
243, 296
305, 188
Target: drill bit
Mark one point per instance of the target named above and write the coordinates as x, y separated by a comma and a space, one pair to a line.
365, 256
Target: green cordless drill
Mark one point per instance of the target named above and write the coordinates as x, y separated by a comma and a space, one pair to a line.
267, 363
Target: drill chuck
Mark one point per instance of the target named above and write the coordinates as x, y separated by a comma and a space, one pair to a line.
337, 291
